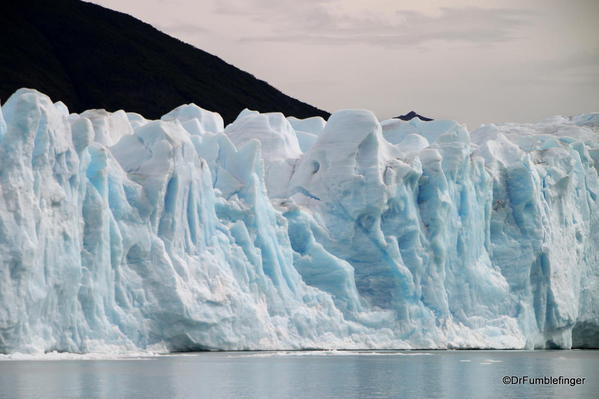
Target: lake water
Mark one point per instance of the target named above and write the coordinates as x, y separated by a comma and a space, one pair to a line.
298, 375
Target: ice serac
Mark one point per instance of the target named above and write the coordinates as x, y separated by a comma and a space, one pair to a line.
121, 233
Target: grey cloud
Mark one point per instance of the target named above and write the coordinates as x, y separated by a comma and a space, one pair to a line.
469, 24
522, 60
579, 66
260, 8
579, 60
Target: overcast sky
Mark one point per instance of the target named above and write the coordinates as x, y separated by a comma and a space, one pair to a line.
473, 61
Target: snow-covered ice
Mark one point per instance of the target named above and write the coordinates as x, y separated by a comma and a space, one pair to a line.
119, 233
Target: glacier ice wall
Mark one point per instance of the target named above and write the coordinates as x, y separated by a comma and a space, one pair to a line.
121, 233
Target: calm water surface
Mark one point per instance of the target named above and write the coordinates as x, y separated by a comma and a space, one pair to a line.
298, 375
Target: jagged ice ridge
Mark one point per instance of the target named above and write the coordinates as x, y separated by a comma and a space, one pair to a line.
121, 233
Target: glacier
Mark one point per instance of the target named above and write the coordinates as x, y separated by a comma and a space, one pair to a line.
119, 233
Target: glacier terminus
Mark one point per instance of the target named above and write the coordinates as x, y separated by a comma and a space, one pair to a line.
127, 234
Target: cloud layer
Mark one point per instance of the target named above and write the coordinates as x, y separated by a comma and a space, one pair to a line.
471, 60
405, 28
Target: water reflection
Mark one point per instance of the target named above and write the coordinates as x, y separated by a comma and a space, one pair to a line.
441, 374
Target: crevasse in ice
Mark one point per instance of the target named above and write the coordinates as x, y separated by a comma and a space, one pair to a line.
121, 233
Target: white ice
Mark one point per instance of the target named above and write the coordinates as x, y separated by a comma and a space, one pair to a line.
119, 233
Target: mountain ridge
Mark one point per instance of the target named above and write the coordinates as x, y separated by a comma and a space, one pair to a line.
93, 57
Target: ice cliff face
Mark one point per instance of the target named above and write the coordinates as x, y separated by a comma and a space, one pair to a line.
117, 232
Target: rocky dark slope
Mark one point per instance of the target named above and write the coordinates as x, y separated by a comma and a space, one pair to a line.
92, 57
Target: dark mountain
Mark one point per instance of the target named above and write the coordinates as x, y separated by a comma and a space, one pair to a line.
411, 115
91, 57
